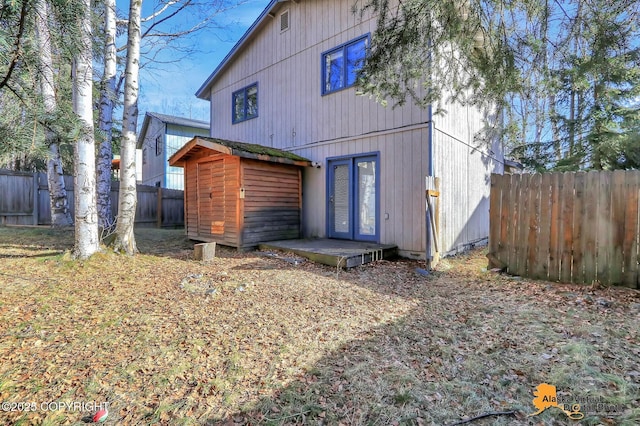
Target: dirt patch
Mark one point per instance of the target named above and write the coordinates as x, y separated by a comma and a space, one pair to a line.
254, 339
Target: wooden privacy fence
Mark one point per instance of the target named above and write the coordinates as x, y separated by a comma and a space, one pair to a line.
567, 227
24, 200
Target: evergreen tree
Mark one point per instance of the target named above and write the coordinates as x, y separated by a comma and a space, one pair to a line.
564, 73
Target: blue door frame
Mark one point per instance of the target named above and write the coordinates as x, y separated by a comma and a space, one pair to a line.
353, 200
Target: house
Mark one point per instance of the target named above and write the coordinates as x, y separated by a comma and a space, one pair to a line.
240, 194
288, 84
160, 137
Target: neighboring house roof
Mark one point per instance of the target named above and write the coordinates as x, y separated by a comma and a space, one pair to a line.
248, 35
240, 149
513, 164
168, 119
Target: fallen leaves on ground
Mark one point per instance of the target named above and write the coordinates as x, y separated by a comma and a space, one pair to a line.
255, 339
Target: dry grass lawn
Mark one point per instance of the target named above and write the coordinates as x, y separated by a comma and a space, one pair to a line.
254, 339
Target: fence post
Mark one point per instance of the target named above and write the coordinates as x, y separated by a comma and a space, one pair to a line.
432, 206
159, 215
36, 189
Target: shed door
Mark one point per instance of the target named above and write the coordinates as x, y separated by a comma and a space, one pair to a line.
211, 198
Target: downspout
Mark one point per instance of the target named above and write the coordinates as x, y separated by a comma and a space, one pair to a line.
165, 164
428, 252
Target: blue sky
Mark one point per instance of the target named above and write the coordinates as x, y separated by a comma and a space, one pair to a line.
170, 88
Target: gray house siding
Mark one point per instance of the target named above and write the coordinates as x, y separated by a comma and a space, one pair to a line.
293, 115
160, 138
464, 162
153, 164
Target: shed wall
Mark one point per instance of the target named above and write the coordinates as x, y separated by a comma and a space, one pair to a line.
272, 202
268, 210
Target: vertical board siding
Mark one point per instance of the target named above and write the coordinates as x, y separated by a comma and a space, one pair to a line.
293, 115
464, 165
568, 227
154, 166
216, 211
17, 198
24, 197
212, 198
403, 157
306, 117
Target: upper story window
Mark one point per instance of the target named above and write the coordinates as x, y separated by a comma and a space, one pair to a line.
159, 145
340, 65
245, 103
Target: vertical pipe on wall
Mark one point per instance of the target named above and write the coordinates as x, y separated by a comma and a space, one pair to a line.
428, 253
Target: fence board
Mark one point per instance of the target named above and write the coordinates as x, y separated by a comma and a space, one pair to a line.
534, 224
555, 237
569, 227
568, 208
540, 264
523, 225
630, 246
605, 227
618, 195
515, 220
579, 242
17, 197
507, 224
24, 200
590, 225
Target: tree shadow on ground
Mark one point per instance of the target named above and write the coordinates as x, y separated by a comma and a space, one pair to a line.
473, 343
408, 372
424, 368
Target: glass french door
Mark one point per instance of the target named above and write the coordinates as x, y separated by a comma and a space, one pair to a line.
353, 212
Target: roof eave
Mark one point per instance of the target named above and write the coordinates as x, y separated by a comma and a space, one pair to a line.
176, 158
203, 91
270, 158
178, 161
143, 131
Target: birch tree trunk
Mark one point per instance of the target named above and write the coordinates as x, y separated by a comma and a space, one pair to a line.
86, 228
105, 121
125, 239
58, 201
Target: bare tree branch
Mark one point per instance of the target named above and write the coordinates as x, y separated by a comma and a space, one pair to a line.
18, 44
159, 12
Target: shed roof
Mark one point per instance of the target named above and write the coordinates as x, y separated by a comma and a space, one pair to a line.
239, 149
168, 119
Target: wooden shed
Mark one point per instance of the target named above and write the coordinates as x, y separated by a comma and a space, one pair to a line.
239, 194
